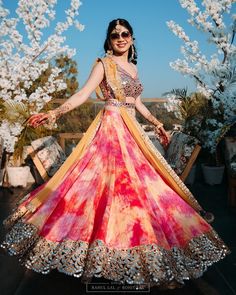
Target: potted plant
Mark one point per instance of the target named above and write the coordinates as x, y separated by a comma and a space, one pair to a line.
214, 75
17, 172
13, 115
199, 121
213, 170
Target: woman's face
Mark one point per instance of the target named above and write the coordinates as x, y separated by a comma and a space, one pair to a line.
120, 39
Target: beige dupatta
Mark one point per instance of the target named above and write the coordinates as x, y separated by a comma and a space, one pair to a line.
153, 156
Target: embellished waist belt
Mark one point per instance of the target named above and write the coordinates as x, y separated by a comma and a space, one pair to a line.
117, 103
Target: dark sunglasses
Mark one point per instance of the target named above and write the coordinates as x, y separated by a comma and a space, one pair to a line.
124, 35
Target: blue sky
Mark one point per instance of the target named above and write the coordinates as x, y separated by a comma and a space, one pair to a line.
155, 43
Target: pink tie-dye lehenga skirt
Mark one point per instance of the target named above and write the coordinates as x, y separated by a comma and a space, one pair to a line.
114, 216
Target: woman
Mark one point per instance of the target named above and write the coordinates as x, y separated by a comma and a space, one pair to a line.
115, 208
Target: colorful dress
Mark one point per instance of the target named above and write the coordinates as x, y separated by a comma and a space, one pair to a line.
115, 208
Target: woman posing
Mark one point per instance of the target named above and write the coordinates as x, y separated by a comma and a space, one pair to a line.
115, 208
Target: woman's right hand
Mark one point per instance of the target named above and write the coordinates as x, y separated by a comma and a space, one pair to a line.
37, 120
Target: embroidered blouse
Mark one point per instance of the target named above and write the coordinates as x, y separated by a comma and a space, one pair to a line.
131, 85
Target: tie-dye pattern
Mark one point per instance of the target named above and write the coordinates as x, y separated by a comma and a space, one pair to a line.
110, 211
114, 194
114, 216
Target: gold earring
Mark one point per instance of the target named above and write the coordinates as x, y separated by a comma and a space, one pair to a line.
132, 52
109, 52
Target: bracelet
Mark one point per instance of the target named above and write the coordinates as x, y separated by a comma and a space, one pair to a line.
159, 125
56, 113
66, 107
52, 115
51, 122
154, 121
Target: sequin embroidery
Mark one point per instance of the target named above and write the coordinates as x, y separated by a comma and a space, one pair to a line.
132, 86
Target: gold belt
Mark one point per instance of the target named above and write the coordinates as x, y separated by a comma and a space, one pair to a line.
117, 103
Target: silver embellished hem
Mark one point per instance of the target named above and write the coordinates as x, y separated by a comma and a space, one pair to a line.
149, 263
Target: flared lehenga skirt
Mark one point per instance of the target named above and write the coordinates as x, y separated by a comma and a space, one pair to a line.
114, 216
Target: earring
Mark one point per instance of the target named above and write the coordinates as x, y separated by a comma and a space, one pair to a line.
109, 52
132, 52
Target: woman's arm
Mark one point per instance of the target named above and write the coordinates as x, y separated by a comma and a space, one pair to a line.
159, 130
146, 113
77, 99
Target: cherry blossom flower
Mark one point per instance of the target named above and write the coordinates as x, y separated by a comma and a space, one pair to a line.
214, 76
23, 61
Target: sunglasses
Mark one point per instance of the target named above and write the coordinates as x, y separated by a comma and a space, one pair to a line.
124, 35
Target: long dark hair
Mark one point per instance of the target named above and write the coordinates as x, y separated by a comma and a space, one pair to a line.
125, 24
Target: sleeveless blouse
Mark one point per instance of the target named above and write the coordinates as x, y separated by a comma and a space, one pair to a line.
132, 87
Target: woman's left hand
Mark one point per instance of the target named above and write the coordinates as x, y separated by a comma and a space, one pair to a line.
163, 136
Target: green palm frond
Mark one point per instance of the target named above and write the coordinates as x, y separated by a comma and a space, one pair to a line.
188, 108
180, 93
15, 111
191, 104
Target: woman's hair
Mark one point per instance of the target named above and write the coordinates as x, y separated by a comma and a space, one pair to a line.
125, 24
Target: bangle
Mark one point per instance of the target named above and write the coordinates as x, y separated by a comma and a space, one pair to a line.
154, 121
158, 126
66, 107
51, 122
52, 115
